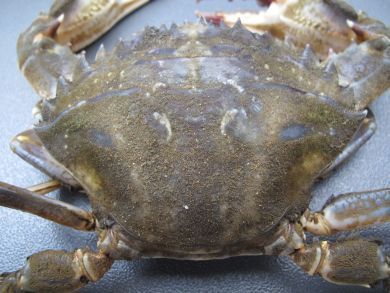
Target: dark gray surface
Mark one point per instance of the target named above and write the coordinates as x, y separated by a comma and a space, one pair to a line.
22, 234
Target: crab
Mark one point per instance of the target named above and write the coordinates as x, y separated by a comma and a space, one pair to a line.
196, 142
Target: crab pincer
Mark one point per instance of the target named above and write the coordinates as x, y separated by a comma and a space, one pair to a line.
325, 25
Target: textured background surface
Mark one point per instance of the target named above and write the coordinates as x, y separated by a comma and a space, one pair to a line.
22, 234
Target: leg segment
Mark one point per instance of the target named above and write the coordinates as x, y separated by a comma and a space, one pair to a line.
29, 147
288, 239
357, 262
46, 187
51, 209
354, 261
62, 271
362, 135
349, 211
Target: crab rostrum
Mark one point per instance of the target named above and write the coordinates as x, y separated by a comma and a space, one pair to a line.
198, 142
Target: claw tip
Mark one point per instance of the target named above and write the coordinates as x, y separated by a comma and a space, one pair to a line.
350, 23
60, 18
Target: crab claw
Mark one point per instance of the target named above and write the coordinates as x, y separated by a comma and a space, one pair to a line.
46, 48
361, 32
322, 24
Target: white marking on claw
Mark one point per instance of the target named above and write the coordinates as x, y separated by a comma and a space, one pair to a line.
60, 18
350, 23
